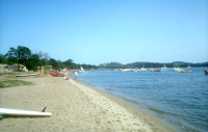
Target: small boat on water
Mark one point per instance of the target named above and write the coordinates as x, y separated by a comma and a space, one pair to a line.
81, 69
136, 70
130, 70
155, 69
182, 70
164, 68
206, 71
76, 73
126, 70
143, 69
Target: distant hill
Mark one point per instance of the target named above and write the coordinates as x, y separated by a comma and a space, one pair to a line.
111, 65
152, 64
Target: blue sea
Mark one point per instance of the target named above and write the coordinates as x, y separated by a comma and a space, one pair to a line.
178, 98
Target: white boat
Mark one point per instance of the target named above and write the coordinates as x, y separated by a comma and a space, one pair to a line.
27, 75
155, 69
24, 113
81, 69
76, 73
143, 69
136, 70
182, 70
164, 68
126, 70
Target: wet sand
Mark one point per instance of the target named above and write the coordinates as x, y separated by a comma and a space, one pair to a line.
75, 107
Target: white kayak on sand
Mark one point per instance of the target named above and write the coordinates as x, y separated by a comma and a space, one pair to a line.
27, 75
24, 113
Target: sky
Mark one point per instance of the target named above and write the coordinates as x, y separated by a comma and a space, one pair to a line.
99, 31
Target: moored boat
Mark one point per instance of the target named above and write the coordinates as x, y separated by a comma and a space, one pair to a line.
206, 71
81, 69
143, 69
155, 69
126, 70
182, 70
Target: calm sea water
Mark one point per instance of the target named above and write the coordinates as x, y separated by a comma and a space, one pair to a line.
179, 98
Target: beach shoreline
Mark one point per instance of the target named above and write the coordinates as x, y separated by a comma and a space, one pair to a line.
75, 107
138, 110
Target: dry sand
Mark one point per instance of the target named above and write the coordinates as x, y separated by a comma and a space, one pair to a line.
75, 108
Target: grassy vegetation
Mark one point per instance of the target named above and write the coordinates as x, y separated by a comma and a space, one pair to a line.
13, 83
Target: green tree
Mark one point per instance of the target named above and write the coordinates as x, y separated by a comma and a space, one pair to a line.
44, 58
20, 55
11, 56
23, 55
2, 59
33, 62
54, 64
68, 63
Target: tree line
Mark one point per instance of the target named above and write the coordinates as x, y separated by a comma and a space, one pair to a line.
23, 55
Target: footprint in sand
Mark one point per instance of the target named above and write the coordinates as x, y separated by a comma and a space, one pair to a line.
109, 122
97, 122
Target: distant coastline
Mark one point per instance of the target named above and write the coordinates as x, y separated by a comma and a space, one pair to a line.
152, 64
33, 61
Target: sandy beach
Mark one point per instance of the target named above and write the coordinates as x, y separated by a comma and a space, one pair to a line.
75, 108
